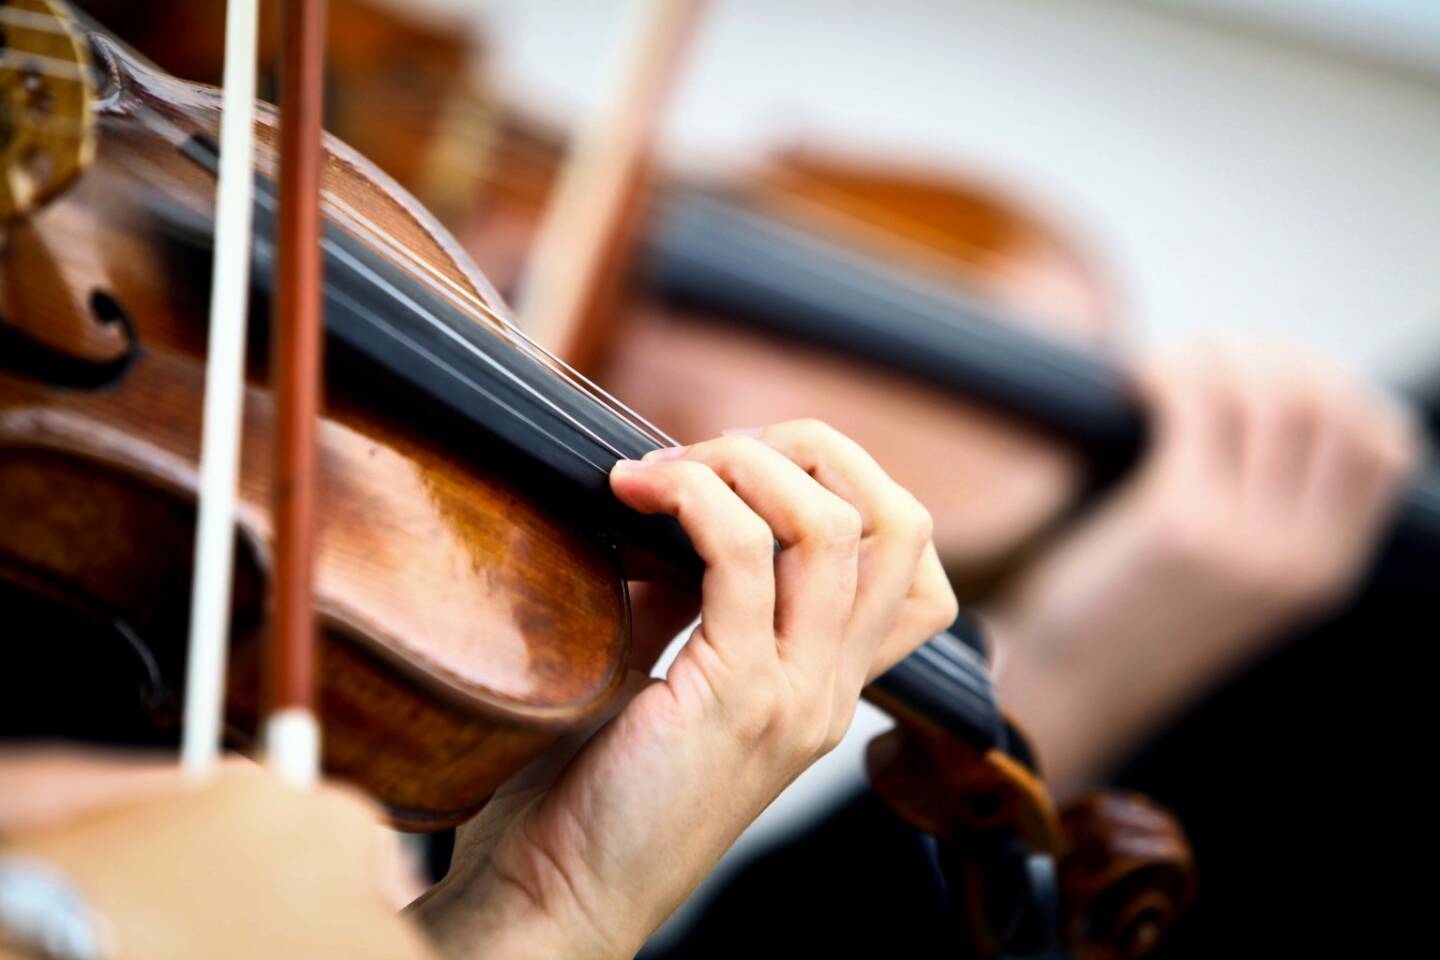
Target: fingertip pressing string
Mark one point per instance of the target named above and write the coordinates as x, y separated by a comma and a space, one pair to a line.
224, 399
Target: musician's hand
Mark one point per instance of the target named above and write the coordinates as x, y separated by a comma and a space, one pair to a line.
591, 863
1258, 508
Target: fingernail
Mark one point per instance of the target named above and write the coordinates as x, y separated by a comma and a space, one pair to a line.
742, 431
625, 466
665, 453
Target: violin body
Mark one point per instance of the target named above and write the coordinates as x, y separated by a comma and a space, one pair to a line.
399, 84
463, 625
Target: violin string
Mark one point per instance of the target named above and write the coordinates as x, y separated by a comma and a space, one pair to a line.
483, 356
461, 297
178, 136
365, 229
417, 267
466, 300
458, 296
395, 334
163, 125
447, 287
508, 146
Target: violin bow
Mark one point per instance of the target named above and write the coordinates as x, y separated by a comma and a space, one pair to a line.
291, 734
292, 731
224, 399
583, 238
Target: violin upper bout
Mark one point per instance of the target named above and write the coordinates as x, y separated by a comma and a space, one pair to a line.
47, 105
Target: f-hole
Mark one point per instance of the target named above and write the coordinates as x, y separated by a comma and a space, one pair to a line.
22, 354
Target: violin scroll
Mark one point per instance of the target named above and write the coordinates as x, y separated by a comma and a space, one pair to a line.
1126, 876
1104, 879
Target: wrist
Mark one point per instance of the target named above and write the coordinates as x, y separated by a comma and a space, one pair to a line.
1079, 710
491, 916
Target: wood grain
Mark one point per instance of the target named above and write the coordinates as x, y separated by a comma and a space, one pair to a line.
463, 625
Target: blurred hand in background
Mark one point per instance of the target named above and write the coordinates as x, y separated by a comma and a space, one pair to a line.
1257, 508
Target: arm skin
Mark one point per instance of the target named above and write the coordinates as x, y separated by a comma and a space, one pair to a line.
585, 854
1257, 510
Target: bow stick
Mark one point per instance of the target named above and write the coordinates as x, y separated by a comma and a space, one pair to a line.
292, 733
224, 399
582, 239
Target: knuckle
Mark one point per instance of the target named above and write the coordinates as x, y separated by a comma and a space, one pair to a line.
1291, 410
922, 523
945, 607
931, 612
733, 447
728, 458
687, 482
690, 475
808, 434
840, 525
812, 427
750, 543
905, 518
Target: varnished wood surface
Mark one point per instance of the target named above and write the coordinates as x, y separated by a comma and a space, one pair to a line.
400, 81
1127, 876
462, 624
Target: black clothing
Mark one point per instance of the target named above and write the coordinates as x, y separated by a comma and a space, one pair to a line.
1304, 788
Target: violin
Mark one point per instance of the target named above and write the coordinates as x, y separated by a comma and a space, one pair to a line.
915, 311
400, 84
690, 366
470, 568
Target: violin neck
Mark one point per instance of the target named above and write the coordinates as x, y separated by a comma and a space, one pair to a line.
416, 338
422, 339
945, 683
719, 253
